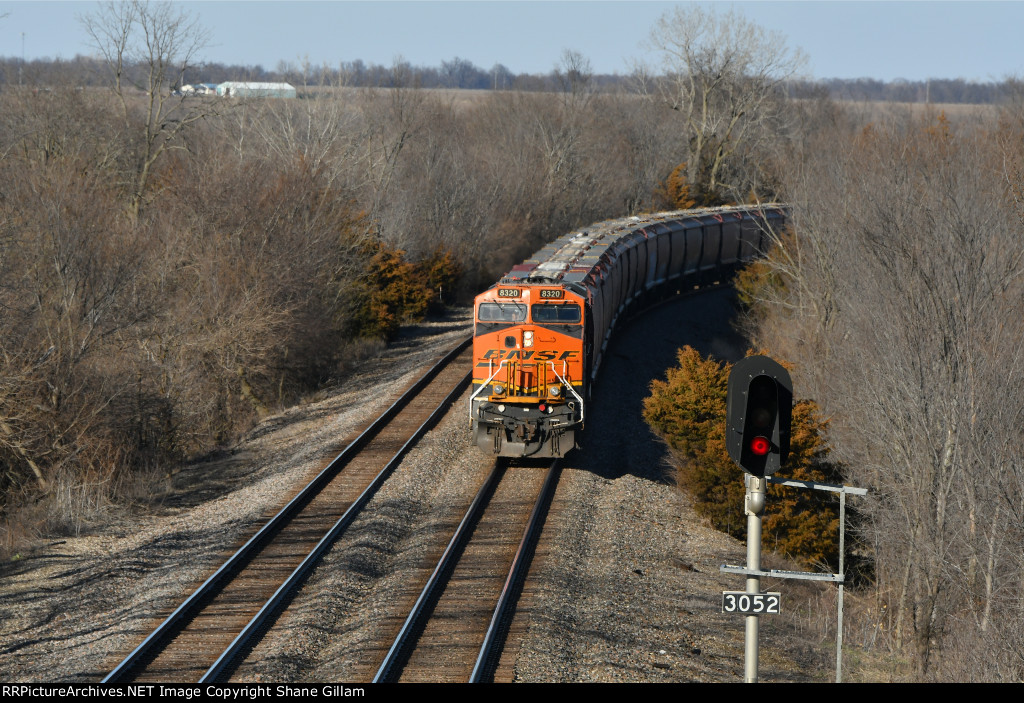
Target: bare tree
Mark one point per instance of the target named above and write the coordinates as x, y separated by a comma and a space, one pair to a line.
902, 282
323, 129
393, 119
148, 47
573, 76
461, 73
723, 74
71, 298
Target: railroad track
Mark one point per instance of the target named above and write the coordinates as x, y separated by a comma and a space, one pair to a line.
208, 634
456, 629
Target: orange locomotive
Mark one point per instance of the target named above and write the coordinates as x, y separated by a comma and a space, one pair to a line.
541, 331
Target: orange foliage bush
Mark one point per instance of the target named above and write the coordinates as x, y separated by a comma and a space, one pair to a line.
674, 192
688, 411
440, 272
393, 290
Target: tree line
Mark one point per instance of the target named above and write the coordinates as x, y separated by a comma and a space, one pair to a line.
896, 292
894, 295
462, 74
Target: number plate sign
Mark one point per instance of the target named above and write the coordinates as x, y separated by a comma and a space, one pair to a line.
508, 292
551, 294
751, 603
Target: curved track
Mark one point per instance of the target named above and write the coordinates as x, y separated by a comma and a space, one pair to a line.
205, 636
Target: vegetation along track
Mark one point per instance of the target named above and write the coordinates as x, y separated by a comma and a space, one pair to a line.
456, 628
204, 637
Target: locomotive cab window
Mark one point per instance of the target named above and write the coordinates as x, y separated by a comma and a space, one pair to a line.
565, 313
501, 312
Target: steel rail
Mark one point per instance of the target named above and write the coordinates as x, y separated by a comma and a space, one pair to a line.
274, 603
520, 563
490, 649
436, 580
191, 605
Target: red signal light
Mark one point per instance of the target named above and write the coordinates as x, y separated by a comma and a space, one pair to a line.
760, 446
543, 407
759, 406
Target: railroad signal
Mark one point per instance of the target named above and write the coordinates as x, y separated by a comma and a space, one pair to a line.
759, 407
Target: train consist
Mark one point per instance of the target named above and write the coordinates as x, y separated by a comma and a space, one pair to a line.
541, 332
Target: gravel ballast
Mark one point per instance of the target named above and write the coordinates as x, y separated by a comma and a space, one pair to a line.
624, 586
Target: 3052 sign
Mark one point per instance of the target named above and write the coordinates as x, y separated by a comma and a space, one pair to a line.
751, 603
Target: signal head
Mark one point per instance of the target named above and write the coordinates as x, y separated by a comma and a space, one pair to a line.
758, 411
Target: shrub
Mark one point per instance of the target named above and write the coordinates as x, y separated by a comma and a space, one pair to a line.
688, 411
440, 273
674, 192
393, 290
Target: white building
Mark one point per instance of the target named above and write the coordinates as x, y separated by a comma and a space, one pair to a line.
249, 89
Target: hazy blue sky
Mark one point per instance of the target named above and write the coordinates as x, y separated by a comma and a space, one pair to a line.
979, 41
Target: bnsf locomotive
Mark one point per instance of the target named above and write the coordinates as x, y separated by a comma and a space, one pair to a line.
541, 331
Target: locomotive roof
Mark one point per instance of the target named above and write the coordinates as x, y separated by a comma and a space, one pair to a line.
572, 258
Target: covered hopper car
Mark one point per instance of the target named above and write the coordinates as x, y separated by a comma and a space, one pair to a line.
541, 332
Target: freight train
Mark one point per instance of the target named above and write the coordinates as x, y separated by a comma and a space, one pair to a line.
541, 332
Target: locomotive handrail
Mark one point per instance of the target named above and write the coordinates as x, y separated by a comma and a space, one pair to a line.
484, 385
566, 383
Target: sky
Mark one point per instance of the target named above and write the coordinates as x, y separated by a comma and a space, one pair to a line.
976, 41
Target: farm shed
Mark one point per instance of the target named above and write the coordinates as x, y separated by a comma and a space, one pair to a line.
249, 89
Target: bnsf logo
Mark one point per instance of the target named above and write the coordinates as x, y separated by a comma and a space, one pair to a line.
502, 354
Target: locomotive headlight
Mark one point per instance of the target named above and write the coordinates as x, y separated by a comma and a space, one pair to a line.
553, 391
498, 389
528, 338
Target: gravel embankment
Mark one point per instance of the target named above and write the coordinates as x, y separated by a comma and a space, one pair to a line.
628, 586
70, 610
624, 587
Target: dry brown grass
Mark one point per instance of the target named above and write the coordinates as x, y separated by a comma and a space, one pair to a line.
876, 111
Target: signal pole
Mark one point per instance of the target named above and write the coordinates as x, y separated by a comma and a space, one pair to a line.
758, 418
754, 508
759, 407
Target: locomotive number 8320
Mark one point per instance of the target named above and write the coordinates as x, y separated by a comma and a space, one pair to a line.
541, 332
